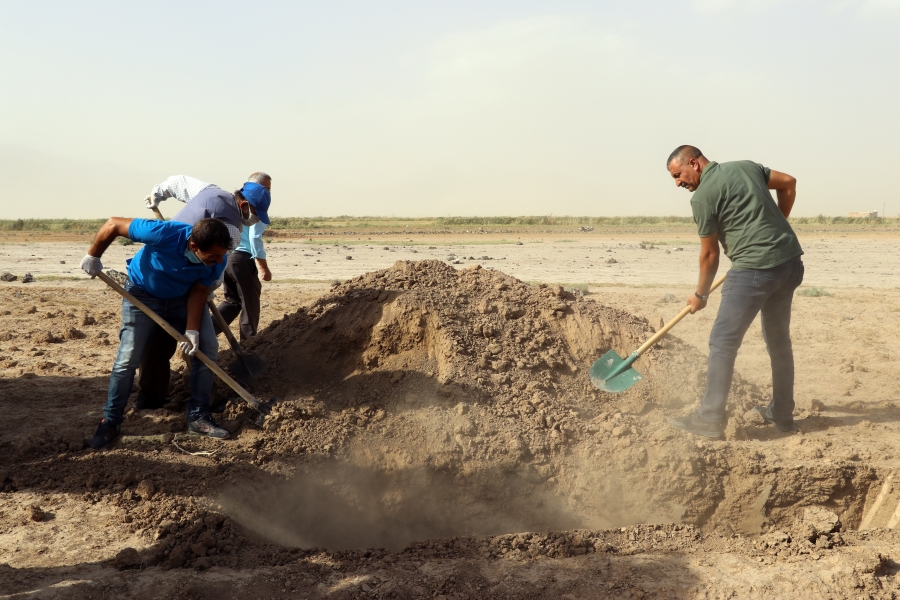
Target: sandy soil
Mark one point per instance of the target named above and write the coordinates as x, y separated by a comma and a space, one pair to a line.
436, 435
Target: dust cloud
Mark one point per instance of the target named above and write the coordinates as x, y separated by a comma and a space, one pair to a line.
343, 506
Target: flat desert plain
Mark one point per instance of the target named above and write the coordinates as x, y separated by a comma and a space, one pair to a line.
434, 433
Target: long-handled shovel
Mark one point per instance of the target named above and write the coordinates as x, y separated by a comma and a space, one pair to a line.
262, 408
247, 366
612, 373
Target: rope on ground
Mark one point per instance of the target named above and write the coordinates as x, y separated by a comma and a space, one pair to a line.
178, 436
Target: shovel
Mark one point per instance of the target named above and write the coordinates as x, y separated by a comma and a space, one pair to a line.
612, 373
247, 366
262, 408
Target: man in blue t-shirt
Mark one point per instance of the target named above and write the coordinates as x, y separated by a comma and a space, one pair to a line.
171, 274
203, 200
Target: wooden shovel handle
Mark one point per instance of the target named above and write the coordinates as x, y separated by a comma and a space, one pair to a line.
178, 337
214, 310
684, 312
158, 214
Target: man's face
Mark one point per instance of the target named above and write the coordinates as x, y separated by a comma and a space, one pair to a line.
213, 256
267, 184
246, 208
686, 173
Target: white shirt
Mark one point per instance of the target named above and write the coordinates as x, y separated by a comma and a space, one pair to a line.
180, 187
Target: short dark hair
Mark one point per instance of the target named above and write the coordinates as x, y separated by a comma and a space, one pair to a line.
684, 152
211, 232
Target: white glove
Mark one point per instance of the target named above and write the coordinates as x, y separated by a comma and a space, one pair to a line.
152, 202
91, 265
192, 344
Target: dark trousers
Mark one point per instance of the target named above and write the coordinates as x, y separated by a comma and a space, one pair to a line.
134, 336
745, 294
155, 373
242, 292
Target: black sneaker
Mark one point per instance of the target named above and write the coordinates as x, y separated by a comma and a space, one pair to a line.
207, 427
105, 434
693, 424
766, 413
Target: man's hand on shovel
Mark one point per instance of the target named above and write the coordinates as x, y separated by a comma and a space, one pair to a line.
697, 302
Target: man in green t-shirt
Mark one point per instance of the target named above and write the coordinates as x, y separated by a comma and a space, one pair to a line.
732, 206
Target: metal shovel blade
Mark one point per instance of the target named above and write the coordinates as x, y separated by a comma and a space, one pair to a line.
612, 373
247, 367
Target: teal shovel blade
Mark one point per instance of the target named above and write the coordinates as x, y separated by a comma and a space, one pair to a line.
612, 373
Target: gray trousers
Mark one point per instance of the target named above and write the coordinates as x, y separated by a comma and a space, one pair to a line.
242, 292
745, 294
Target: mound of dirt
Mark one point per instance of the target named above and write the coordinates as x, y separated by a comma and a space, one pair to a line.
467, 393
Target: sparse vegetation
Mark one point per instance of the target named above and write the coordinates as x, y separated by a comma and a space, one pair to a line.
813, 292
67, 225
455, 224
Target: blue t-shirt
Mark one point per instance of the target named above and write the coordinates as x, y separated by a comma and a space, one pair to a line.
160, 267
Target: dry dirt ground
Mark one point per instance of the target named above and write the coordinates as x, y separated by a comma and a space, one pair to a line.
435, 434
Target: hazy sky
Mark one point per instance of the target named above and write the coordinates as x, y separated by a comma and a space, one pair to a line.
445, 108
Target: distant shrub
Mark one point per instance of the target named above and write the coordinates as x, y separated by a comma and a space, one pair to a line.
125, 241
813, 292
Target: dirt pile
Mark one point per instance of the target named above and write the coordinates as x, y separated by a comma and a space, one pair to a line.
462, 400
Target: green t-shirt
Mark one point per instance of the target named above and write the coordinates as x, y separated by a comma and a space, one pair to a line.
733, 200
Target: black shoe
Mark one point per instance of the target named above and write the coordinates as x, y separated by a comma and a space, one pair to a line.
207, 427
150, 402
693, 424
766, 413
105, 434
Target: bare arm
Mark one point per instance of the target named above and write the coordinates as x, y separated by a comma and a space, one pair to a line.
196, 304
709, 264
785, 188
264, 267
115, 227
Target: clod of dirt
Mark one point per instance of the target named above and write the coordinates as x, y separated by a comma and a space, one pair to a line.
7, 276
145, 489
36, 513
74, 334
820, 520
49, 338
128, 558
88, 320
28, 278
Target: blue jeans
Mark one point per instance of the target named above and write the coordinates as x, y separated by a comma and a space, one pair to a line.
133, 339
746, 293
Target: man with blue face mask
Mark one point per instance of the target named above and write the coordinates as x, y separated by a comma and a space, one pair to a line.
171, 274
242, 285
202, 200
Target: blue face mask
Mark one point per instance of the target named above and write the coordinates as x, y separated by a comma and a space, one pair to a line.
188, 254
